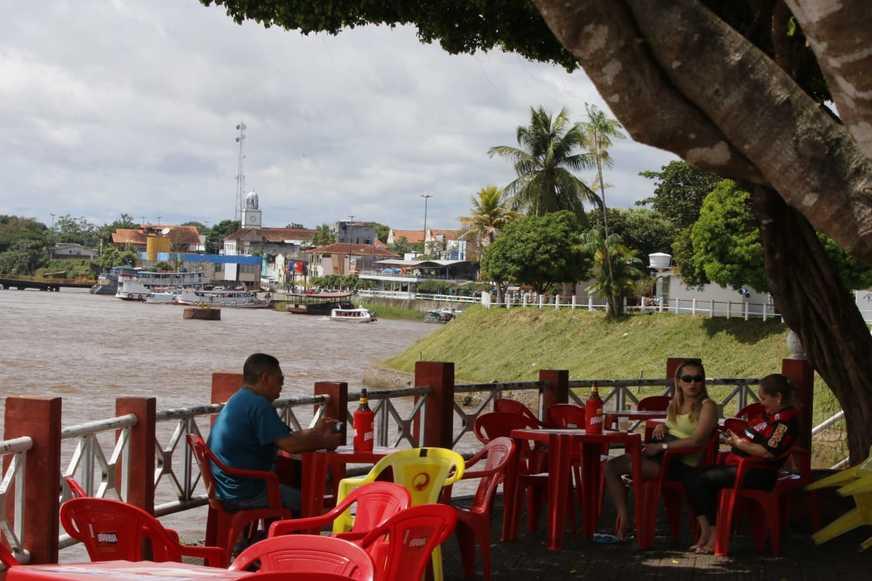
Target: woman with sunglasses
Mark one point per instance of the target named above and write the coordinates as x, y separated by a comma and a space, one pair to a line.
690, 421
769, 437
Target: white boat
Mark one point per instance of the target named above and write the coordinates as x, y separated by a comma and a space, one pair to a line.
222, 298
139, 284
162, 298
352, 315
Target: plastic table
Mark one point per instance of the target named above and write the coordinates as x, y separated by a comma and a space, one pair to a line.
314, 471
121, 571
560, 445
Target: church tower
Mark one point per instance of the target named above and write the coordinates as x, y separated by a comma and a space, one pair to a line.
251, 214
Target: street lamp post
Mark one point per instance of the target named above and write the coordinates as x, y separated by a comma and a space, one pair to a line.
426, 200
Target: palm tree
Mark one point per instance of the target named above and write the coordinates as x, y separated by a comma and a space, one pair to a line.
548, 154
598, 132
489, 215
616, 269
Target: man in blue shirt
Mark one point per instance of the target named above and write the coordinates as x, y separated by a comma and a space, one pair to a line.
248, 433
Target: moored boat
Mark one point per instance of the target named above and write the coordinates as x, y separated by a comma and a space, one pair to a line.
313, 303
222, 298
352, 315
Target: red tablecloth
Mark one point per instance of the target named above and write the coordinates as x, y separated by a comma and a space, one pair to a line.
120, 571
560, 445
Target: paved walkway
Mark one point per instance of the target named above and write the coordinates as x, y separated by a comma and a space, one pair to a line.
529, 560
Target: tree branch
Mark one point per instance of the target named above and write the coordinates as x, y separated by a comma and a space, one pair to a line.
839, 34
602, 35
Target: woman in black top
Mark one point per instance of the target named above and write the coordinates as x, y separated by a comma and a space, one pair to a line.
769, 437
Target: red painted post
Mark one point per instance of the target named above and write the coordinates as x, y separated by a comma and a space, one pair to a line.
39, 418
141, 450
439, 414
337, 407
555, 390
801, 374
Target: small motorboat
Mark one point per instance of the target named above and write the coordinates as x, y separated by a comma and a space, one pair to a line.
162, 298
442, 315
360, 315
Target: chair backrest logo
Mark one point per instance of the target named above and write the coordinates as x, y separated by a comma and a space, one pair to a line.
420, 481
107, 538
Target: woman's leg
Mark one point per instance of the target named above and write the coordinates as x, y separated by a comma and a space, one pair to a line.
615, 468
703, 488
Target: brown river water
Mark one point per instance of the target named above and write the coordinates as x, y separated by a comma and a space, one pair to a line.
91, 349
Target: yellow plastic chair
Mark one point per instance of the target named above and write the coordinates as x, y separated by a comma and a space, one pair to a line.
857, 482
422, 471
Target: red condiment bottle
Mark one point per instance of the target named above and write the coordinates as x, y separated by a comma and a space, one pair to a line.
593, 413
363, 421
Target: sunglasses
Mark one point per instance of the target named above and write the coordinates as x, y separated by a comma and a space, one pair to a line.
692, 378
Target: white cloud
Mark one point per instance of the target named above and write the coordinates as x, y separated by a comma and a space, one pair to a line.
131, 107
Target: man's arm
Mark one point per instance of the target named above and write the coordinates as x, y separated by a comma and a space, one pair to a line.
322, 436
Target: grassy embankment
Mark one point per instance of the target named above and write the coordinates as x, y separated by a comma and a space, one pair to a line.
388, 311
506, 345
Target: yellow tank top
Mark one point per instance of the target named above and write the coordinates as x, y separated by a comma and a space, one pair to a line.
683, 427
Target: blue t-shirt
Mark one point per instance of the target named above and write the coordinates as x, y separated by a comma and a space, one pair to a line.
244, 436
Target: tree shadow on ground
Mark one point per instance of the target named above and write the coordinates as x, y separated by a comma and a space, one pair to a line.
748, 332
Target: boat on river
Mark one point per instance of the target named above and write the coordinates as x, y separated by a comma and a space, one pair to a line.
318, 303
222, 298
162, 297
139, 284
352, 315
443, 315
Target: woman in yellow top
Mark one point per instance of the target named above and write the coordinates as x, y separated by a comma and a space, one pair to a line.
691, 419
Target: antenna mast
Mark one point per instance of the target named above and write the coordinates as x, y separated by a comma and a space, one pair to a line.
240, 176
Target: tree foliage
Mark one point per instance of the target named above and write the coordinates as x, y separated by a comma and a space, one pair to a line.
459, 26
381, 231
75, 230
15, 228
324, 235
490, 214
550, 150
217, 234
726, 241
538, 251
643, 230
23, 257
679, 190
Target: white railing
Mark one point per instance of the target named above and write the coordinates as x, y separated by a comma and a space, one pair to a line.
89, 464
14, 479
708, 308
838, 417
492, 391
416, 296
181, 471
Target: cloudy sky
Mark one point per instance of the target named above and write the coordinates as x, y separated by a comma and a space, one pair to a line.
111, 106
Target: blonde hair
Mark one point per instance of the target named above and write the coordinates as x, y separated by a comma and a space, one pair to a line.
677, 401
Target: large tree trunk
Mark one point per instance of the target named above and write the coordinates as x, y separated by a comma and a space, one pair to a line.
817, 306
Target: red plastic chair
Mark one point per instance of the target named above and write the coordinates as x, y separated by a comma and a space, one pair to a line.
511, 406
500, 424
671, 491
7, 558
531, 462
76, 489
474, 523
401, 547
654, 403
376, 503
230, 524
768, 520
112, 530
308, 555
284, 576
